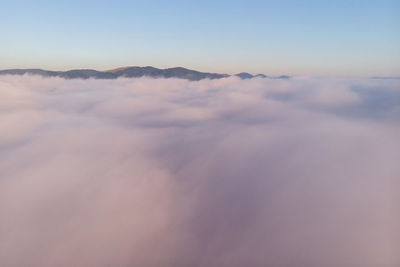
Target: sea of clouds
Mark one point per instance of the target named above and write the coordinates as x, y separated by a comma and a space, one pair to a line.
168, 172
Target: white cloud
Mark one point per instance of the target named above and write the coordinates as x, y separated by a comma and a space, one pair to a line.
167, 172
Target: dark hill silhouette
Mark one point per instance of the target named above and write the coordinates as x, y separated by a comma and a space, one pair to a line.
132, 72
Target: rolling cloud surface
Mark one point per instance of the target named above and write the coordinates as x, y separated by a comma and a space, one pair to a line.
228, 172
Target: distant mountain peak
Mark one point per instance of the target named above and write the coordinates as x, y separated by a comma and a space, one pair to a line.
118, 69
132, 72
244, 75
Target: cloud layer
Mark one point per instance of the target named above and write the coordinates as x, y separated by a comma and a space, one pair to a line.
229, 172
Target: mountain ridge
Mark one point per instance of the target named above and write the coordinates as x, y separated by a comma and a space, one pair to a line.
133, 72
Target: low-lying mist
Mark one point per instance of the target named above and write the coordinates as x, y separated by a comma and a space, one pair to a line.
228, 172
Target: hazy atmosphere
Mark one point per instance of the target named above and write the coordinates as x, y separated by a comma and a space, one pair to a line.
228, 172
308, 37
200, 133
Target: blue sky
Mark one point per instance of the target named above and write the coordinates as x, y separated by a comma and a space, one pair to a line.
342, 37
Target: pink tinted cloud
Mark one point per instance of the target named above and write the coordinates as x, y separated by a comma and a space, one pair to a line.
155, 172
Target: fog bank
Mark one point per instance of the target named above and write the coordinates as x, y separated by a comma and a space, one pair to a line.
228, 172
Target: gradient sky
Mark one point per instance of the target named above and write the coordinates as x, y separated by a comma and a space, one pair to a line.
342, 37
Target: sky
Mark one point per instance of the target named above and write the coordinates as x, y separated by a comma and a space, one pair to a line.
328, 38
